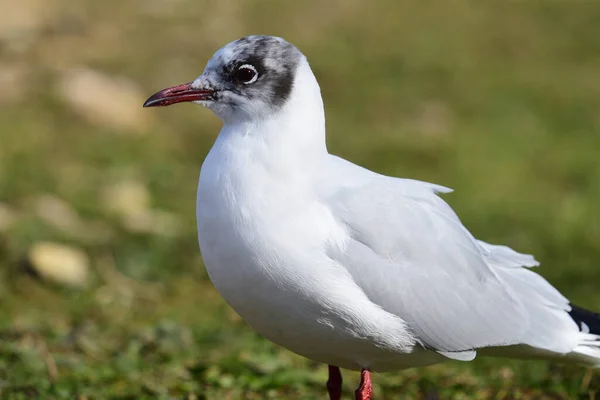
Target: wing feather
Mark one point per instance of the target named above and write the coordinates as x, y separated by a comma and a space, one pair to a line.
412, 256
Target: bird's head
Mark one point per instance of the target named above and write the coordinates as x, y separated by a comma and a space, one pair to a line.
252, 77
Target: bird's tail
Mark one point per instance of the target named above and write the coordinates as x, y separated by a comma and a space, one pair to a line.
588, 351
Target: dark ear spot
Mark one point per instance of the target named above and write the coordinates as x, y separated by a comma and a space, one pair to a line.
282, 87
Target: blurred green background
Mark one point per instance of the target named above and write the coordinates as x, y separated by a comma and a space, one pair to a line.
102, 289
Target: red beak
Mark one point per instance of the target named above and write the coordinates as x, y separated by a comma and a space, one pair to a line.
178, 94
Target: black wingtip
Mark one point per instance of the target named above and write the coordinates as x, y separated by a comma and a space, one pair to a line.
585, 318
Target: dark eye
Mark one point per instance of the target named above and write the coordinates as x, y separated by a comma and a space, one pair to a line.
246, 74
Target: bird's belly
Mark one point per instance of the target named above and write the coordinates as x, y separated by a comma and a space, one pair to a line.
260, 290
265, 299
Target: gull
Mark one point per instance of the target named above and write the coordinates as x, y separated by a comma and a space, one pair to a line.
343, 265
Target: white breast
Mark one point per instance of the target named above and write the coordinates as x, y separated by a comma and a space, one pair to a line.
248, 221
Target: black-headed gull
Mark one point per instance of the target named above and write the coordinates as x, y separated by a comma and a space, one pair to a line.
340, 264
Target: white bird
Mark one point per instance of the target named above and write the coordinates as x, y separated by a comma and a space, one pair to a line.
343, 265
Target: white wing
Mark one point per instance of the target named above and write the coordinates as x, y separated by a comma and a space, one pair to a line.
412, 256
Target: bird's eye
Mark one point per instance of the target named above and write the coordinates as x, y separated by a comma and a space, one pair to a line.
246, 74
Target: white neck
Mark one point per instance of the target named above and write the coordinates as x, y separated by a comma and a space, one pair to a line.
297, 130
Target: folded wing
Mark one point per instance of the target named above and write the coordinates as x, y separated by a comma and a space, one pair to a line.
412, 256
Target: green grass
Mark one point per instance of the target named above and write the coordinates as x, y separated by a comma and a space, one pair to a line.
498, 100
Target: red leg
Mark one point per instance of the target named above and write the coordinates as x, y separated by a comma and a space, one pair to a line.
334, 383
365, 390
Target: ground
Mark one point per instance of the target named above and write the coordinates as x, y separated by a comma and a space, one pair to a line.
102, 289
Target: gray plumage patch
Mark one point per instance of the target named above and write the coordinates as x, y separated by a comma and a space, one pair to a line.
275, 61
